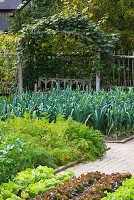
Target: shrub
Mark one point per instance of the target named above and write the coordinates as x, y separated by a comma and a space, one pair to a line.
8, 65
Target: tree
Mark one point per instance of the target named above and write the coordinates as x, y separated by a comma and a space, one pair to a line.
112, 16
115, 16
29, 14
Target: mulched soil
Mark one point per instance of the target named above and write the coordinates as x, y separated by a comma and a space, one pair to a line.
120, 137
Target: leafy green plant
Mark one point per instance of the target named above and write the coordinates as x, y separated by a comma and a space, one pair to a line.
39, 156
111, 112
90, 186
124, 192
32, 182
13, 158
55, 143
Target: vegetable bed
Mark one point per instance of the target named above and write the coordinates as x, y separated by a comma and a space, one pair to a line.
111, 112
29, 142
124, 192
91, 186
32, 182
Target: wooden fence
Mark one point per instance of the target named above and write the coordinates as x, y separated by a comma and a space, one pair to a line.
123, 74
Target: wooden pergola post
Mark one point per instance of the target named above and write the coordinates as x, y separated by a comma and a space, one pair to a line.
133, 67
20, 79
98, 74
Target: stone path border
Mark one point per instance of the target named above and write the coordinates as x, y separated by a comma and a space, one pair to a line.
62, 168
122, 141
120, 158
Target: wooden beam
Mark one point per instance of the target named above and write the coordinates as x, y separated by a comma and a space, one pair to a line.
123, 56
133, 67
20, 79
98, 74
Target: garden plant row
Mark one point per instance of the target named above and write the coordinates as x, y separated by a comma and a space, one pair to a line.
32, 182
110, 112
124, 192
29, 142
41, 183
92, 186
39, 130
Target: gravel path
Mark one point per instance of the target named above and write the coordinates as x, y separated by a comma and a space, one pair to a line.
120, 158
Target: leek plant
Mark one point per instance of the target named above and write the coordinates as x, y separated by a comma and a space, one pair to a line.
111, 112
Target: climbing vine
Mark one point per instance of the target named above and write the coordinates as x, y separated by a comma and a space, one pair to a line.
46, 48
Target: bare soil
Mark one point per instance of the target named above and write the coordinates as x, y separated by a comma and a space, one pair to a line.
120, 138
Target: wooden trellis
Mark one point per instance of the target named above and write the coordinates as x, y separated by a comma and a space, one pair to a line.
48, 83
124, 74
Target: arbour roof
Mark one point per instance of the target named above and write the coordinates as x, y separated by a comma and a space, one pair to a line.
75, 24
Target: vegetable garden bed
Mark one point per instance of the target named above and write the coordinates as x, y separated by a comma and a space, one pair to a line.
92, 186
30, 142
110, 112
124, 192
33, 133
41, 183
32, 182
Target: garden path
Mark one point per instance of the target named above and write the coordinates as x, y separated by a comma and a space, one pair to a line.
120, 158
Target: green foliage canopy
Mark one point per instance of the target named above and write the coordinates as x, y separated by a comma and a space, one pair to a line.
63, 34
111, 16
8, 68
115, 16
35, 10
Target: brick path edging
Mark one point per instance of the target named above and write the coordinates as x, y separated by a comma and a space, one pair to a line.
120, 158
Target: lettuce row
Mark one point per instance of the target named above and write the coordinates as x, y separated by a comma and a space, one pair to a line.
32, 182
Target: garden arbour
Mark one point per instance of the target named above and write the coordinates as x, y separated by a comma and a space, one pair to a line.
65, 36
